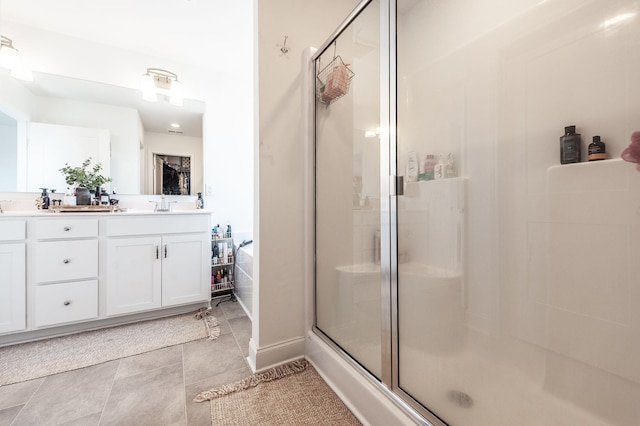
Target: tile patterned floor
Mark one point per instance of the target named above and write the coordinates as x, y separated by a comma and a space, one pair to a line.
154, 388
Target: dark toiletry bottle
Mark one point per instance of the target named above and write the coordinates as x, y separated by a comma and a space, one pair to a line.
46, 201
597, 150
104, 198
570, 145
200, 201
216, 254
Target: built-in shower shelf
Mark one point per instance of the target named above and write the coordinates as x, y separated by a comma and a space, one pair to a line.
414, 189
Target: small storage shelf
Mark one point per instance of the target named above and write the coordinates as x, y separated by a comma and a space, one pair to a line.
222, 266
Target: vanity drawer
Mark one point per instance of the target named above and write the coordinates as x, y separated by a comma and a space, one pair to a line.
12, 230
66, 302
171, 223
48, 229
65, 260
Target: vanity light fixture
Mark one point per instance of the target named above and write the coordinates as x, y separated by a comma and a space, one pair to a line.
157, 83
10, 59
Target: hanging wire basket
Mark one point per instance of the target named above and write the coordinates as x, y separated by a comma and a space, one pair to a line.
333, 81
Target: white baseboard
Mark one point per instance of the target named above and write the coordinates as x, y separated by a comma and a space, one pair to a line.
266, 357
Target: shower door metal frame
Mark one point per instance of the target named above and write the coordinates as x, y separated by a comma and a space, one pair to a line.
389, 187
386, 379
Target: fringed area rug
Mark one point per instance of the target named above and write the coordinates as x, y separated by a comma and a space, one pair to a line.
31, 360
291, 394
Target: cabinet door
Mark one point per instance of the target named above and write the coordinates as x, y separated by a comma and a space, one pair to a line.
133, 274
186, 276
12, 287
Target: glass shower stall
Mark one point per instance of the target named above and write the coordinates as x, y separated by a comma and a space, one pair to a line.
458, 263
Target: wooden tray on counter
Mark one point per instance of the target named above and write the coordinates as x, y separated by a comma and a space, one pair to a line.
81, 209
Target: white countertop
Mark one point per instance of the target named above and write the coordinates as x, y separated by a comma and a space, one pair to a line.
128, 212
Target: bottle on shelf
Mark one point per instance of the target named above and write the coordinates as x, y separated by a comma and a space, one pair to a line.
449, 168
216, 254
428, 165
438, 169
597, 150
570, 144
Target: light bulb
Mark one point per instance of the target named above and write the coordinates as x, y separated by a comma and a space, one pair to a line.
175, 95
9, 57
148, 88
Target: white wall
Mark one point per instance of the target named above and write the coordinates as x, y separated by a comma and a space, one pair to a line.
279, 279
9, 157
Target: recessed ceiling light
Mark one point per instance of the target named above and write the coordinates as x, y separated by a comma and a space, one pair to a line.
175, 125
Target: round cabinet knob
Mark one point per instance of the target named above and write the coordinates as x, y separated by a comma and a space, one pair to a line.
66, 261
66, 302
67, 228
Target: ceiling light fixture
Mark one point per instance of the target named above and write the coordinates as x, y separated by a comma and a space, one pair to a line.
158, 83
10, 59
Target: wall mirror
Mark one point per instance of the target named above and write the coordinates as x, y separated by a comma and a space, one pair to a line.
138, 131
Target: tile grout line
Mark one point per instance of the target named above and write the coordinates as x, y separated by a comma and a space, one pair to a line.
113, 380
28, 401
184, 386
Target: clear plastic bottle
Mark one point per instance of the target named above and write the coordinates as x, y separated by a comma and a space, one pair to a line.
438, 169
449, 168
428, 167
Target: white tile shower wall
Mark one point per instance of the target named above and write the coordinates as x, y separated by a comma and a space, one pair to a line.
365, 225
432, 224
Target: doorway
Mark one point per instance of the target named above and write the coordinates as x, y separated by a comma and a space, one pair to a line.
171, 175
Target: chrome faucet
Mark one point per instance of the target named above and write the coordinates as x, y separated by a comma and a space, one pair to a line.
165, 206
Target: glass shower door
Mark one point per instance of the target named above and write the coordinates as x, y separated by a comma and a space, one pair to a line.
517, 279
347, 188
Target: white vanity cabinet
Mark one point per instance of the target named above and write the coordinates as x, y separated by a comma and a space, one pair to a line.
156, 261
61, 273
12, 276
64, 270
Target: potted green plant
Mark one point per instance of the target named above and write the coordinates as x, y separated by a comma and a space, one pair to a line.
84, 179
